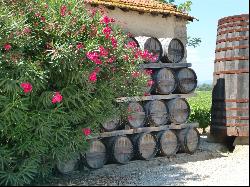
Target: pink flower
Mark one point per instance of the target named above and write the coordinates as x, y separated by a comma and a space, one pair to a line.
98, 61
92, 77
125, 57
132, 44
7, 47
145, 54
37, 14
135, 74
106, 31
57, 98
42, 19
154, 58
26, 86
79, 46
26, 30
63, 10
129, 34
103, 51
150, 83
111, 60
93, 12
146, 94
105, 20
148, 71
94, 56
86, 131
114, 42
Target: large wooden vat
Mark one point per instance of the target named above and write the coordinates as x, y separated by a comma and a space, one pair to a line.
230, 100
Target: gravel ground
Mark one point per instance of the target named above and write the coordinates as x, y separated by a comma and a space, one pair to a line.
211, 165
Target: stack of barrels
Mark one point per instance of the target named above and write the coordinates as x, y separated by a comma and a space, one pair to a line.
152, 113
230, 100
148, 113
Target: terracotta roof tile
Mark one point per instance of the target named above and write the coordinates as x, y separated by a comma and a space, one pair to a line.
150, 6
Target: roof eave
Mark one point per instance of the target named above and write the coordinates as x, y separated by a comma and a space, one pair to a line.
134, 8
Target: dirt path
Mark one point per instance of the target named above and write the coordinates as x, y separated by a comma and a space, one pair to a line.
210, 165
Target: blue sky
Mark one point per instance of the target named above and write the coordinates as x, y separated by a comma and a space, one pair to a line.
209, 12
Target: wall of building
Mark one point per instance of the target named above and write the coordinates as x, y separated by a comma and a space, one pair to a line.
150, 25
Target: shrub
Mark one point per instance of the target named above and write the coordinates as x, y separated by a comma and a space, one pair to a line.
201, 108
61, 68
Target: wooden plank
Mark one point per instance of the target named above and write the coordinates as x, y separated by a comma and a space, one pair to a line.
144, 130
165, 65
154, 97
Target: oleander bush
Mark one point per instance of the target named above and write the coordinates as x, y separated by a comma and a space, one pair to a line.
201, 108
61, 68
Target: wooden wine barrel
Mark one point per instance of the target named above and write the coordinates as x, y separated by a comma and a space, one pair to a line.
230, 99
165, 82
120, 149
96, 156
136, 115
189, 139
186, 80
168, 143
173, 50
67, 166
111, 124
145, 145
157, 113
179, 110
151, 44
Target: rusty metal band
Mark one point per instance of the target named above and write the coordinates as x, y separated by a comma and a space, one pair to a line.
232, 30
238, 109
232, 58
246, 100
238, 117
232, 48
239, 38
236, 125
235, 16
224, 124
230, 109
232, 25
240, 71
233, 19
